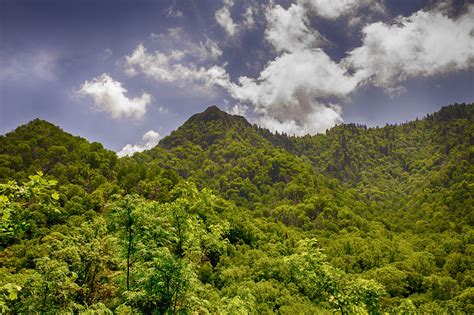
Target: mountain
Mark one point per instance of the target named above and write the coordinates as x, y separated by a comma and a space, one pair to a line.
227, 154
212, 127
42, 146
226, 217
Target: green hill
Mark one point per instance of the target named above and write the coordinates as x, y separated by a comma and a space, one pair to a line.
226, 217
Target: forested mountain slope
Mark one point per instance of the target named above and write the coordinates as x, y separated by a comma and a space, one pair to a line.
226, 217
43, 146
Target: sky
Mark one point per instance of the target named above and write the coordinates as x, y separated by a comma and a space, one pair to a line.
125, 73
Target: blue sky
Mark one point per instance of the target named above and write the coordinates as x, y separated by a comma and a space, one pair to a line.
126, 73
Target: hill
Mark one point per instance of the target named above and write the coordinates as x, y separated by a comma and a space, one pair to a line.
226, 217
42, 146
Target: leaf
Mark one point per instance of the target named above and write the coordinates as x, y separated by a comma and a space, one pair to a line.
13, 295
55, 196
13, 290
6, 216
52, 182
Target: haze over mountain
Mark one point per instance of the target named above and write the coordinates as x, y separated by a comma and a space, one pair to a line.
223, 216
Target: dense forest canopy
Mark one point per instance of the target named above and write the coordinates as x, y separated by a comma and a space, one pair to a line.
226, 217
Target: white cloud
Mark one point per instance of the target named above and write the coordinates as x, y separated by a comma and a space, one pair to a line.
332, 9
26, 66
238, 109
321, 118
249, 21
288, 30
294, 92
165, 67
182, 46
291, 94
207, 50
225, 20
109, 96
307, 70
289, 91
423, 44
231, 27
151, 139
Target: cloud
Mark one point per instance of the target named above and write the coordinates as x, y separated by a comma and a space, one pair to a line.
169, 68
321, 118
108, 53
290, 91
109, 96
20, 67
151, 139
230, 26
288, 30
295, 91
290, 94
332, 9
225, 20
171, 11
423, 44
312, 71
207, 50
182, 46
237, 109
249, 21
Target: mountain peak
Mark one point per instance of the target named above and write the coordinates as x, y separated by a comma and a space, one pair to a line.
209, 126
213, 109
212, 113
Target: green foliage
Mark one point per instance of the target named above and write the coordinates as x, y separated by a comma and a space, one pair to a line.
224, 217
18, 202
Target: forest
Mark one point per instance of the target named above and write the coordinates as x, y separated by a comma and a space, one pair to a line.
225, 217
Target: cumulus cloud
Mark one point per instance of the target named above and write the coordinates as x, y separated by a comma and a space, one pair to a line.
319, 119
238, 109
288, 30
290, 94
224, 18
296, 91
332, 9
110, 96
308, 70
150, 138
423, 44
289, 91
168, 68
293, 93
